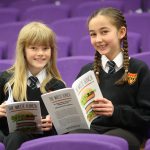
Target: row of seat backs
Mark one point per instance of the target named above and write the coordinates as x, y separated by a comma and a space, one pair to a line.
64, 45
49, 12
69, 67
21, 4
77, 141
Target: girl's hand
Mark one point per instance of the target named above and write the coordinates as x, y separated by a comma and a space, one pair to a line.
46, 123
103, 107
2, 110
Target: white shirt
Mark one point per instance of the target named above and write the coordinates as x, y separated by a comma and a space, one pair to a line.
118, 60
41, 76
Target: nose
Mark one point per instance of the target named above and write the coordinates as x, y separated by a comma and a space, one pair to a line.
40, 51
98, 38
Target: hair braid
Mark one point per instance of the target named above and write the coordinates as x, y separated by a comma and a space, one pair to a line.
97, 65
124, 78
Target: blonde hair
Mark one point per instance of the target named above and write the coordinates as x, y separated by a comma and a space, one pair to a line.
119, 21
31, 34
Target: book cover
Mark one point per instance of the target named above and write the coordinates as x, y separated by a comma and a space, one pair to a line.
24, 116
71, 108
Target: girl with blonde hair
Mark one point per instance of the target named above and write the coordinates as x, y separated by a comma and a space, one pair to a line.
35, 60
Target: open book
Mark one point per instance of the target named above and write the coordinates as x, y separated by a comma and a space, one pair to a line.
24, 116
70, 108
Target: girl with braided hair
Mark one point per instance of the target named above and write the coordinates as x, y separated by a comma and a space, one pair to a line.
125, 82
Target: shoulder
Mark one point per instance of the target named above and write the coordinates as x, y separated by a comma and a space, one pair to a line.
138, 65
5, 76
141, 69
54, 84
85, 69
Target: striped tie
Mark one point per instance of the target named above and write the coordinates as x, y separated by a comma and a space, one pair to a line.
33, 81
111, 65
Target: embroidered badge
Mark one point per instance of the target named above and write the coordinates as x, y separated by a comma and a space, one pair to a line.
132, 78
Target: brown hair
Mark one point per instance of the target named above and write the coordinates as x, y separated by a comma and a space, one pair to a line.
119, 21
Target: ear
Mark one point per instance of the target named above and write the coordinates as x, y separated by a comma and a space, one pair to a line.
122, 32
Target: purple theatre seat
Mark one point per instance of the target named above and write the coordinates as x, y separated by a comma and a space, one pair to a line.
46, 13
146, 5
132, 7
134, 42
147, 145
22, 5
3, 49
69, 67
2, 147
63, 46
145, 56
5, 64
74, 28
86, 8
71, 3
6, 3
8, 15
84, 47
76, 142
140, 23
9, 33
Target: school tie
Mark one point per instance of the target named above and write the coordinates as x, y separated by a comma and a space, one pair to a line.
111, 65
33, 82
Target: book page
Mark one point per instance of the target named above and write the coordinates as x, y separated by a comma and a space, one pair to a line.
87, 89
24, 116
64, 110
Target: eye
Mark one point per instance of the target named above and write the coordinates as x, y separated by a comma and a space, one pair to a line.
46, 48
104, 32
92, 34
33, 47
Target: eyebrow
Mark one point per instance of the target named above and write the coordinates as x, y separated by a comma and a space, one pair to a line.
99, 29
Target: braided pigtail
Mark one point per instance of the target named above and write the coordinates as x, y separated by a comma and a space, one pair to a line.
97, 65
124, 78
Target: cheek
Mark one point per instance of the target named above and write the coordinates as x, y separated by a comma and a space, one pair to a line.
48, 54
92, 41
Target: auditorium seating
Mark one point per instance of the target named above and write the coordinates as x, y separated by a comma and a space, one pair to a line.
74, 28
2, 147
140, 23
46, 13
86, 8
147, 145
145, 56
3, 49
63, 46
77, 141
69, 67
9, 33
5, 64
8, 15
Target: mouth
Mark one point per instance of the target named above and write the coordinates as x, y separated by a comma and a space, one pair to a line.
101, 47
39, 60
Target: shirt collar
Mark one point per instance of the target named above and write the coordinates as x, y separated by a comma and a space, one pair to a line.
41, 75
118, 60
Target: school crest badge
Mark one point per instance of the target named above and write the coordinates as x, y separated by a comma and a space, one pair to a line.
132, 78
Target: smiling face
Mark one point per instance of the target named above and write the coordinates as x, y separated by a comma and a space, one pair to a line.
37, 57
105, 37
